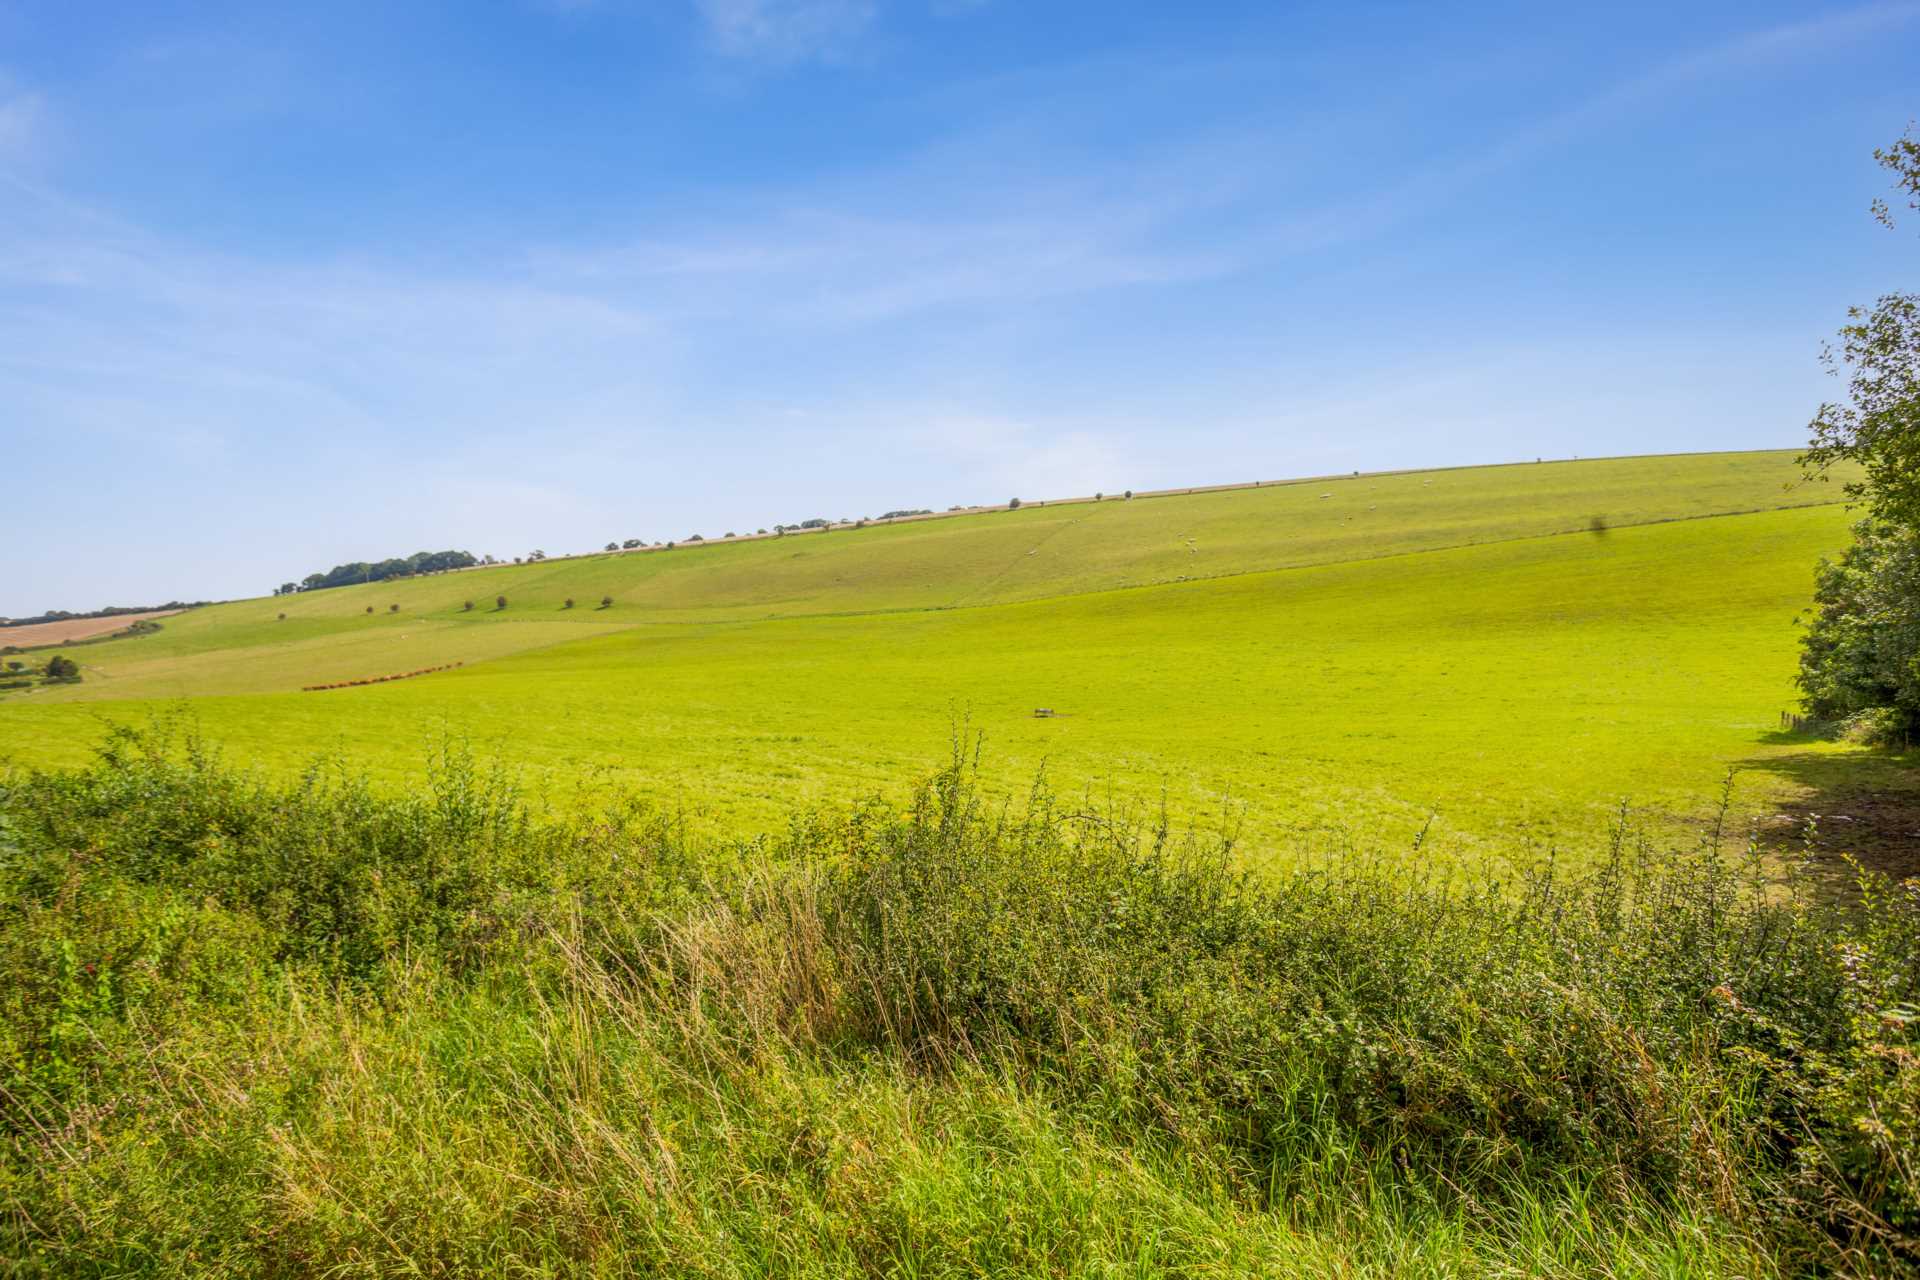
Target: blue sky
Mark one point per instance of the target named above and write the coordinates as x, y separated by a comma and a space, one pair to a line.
283, 286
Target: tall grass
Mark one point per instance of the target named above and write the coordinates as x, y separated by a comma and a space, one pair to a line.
250, 1028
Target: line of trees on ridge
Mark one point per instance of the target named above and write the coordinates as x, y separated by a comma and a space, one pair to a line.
347, 575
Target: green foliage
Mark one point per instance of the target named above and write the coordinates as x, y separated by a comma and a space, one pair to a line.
287, 1029
63, 669
360, 571
1861, 650
1879, 429
1902, 159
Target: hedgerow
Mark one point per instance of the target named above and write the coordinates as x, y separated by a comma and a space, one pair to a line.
266, 1028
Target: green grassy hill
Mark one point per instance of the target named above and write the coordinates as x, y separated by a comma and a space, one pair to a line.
1325, 658
413, 1015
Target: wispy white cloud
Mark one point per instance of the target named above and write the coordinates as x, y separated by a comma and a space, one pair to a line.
855, 268
23, 120
787, 31
788, 351
1377, 210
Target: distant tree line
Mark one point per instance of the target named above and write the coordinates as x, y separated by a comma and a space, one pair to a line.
346, 575
111, 611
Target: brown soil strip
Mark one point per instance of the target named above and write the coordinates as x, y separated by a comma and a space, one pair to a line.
39, 634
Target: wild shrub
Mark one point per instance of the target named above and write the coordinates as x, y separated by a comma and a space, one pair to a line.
1673, 1022
602, 1041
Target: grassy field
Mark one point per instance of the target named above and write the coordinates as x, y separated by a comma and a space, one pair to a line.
1457, 646
671, 993
257, 1029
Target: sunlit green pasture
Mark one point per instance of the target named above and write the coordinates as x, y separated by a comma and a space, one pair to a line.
1515, 691
1034, 553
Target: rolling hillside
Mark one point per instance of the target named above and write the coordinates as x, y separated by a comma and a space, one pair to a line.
1321, 660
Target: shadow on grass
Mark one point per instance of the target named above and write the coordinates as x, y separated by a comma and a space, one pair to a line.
1863, 803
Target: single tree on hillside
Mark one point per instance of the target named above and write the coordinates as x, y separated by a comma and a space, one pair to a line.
568, 604
466, 607
393, 608
1861, 653
499, 602
1013, 505
369, 608
62, 668
606, 602
613, 546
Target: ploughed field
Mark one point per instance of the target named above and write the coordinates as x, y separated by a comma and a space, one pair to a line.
31, 635
1500, 656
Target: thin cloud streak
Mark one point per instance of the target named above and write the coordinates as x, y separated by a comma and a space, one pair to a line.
786, 31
